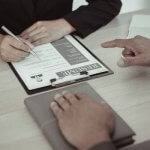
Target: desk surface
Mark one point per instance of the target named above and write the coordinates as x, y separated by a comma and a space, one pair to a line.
127, 91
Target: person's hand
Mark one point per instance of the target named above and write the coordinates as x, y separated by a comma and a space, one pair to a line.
47, 31
12, 50
83, 121
136, 51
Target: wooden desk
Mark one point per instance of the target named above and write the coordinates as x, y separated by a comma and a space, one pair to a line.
127, 91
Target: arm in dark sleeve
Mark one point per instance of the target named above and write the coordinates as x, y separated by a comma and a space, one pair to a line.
87, 19
104, 146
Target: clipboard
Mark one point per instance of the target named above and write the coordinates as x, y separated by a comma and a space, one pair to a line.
51, 87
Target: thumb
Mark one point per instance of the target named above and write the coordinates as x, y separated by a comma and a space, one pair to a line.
128, 61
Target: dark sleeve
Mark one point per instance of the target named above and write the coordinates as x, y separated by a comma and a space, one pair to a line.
87, 19
104, 146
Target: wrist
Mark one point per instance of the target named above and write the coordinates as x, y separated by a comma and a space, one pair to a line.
67, 27
1, 37
101, 138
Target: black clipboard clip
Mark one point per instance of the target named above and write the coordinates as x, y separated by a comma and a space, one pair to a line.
83, 74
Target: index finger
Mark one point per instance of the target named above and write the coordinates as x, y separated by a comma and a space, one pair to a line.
19, 45
121, 43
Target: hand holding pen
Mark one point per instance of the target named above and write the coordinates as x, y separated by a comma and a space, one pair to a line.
14, 49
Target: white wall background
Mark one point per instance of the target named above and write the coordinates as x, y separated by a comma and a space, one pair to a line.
128, 5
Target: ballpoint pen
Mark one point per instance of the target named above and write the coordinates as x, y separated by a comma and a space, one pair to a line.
18, 39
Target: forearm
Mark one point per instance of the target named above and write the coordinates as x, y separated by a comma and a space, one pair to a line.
87, 19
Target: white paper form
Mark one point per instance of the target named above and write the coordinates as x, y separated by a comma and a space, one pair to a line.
62, 60
140, 25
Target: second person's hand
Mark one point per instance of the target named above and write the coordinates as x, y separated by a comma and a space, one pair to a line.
136, 51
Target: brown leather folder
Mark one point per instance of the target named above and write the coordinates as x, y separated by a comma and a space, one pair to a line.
38, 106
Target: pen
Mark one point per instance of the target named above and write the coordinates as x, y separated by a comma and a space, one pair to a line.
14, 36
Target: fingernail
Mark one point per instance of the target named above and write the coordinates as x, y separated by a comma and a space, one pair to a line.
65, 92
52, 104
104, 44
108, 44
57, 96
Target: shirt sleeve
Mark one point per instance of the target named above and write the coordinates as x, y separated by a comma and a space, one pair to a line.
104, 146
87, 19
